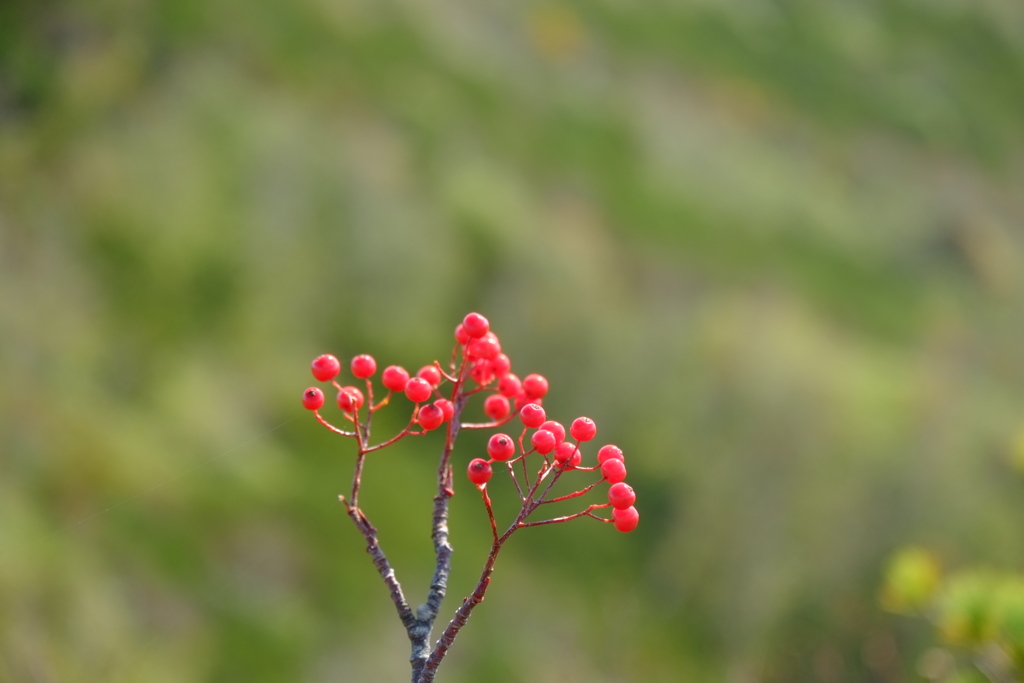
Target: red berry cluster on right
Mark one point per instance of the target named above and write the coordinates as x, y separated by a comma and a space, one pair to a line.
482, 349
620, 494
550, 437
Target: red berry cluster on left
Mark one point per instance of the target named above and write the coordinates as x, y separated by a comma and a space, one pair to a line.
419, 389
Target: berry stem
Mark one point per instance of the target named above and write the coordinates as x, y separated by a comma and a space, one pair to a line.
515, 481
369, 403
490, 512
383, 402
559, 471
526, 473
574, 494
327, 424
357, 477
405, 432
492, 425
585, 513
444, 374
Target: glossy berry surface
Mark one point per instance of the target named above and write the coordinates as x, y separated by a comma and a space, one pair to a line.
509, 385
447, 409
482, 372
496, 407
326, 367
543, 441
363, 366
486, 347
430, 417
418, 390
431, 374
501, 365
568, 453
312, 398
627, 519
350, 399
532, 415
535, 386
475, 325
613, 470
521, 401
621, 495
479, 471
583, 429
461, 335
501, 447
555, 428
394, 377
609, 451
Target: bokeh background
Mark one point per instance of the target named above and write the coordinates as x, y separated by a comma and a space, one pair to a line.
773, 247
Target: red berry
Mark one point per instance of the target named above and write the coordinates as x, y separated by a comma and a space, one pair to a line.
509, 385
482, 372
447, 409
394, 377
609, 451
363, 366
501, 365
431, 374
522, 400
613, 470
532, 415
350, 399
543, 441
501, 447
418, 390
475, 325
535, 386
496, 406
326, 367
555, 428
621, 495
430, 416
461, 335
479, 471
486, 346
312, 398
583, 429
568, 454
627, 519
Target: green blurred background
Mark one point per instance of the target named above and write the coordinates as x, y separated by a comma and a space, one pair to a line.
773, 248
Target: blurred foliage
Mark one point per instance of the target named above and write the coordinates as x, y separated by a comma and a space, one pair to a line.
978, 615
910, 581
773, 248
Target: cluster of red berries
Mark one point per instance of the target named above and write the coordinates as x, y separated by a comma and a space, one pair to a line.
484, 363
549, 437
395, 378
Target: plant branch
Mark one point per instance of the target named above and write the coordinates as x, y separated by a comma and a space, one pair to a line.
380, 561
427, 613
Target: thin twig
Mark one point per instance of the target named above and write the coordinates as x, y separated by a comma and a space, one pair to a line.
380, 561
574, 494
325, 423
585, 513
